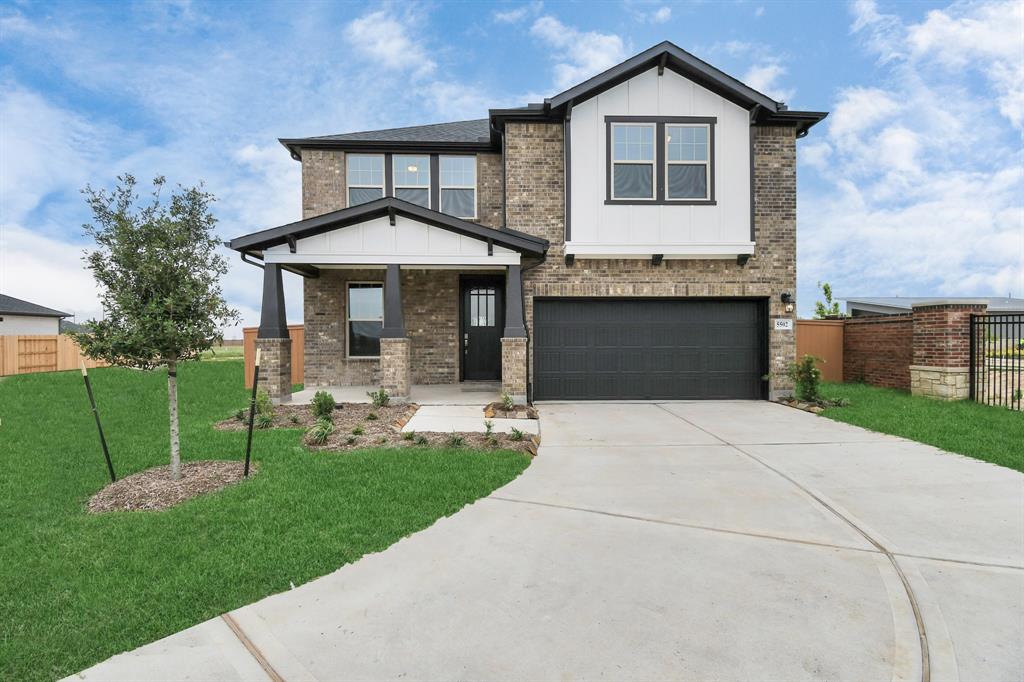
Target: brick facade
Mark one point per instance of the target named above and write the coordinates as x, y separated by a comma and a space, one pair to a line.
535, 192
430, 304
513, 368
276, 368
395, 367
879, 350
942, 349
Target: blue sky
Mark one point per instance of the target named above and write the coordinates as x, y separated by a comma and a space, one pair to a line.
913, 186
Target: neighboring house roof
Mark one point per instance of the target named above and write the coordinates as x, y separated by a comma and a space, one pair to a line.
898, 304
485, 134
15, 306
69, 326
254, 243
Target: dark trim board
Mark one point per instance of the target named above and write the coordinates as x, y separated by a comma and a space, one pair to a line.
659, 160
622, 348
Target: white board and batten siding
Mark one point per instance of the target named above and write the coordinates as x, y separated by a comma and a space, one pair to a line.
605, 230
378, 242
28, 325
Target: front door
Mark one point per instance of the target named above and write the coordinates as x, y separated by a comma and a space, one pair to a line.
483, 318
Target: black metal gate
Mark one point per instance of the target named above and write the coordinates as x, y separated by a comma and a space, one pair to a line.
997, 360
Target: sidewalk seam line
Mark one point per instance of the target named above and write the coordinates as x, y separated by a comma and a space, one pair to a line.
251, 648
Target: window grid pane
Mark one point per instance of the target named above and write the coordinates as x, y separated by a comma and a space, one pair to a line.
482, 307
420, 197
460, 203
365, 301
361, 195
633, 142
633, 181
458, 171
365, 170
411, 171
687, 181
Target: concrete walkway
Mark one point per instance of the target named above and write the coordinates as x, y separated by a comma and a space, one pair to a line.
725, 540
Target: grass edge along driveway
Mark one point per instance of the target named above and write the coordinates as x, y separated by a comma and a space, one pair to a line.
76, 588
991, 434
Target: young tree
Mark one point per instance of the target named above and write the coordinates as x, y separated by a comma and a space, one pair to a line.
829, 308
157, 266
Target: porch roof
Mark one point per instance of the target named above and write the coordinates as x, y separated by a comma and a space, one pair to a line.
254, 244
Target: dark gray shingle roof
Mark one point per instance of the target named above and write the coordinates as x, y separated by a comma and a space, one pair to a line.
15, 306
477, 130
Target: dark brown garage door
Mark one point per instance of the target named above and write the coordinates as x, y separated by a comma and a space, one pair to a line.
643, 349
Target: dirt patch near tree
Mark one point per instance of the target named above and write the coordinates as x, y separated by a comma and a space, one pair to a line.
153, 489
345, 416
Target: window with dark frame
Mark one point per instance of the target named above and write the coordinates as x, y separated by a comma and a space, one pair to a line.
364, 177
458, 186
660, 160
482, 302
412, 178
365, 312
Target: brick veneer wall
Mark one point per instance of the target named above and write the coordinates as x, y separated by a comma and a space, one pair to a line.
276, 368
430, 304
535, 194
879, 350
941, 334
323, 181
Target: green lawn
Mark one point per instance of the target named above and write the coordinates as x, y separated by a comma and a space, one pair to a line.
224, 353
992, 434
77, 588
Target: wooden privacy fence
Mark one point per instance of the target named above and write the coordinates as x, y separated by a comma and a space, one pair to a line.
46, 353
296, 332
822, 339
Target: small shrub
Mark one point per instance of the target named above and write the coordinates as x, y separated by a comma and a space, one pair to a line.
421, 440
294, 419
372, 417
379, 398
455, 440
320, 432
264, 421
515, 434
408, 435
488, 426
381, 440
358, 430
491, 439
263, 403
351, 439
508, 402
806, 378
241, 415
1017, 395
323, 405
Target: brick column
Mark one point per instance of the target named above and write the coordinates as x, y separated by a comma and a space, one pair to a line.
942, 348
396, 367
276, 368
513, 367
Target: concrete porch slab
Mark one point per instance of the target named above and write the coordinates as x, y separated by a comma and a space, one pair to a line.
464, 418
465, 393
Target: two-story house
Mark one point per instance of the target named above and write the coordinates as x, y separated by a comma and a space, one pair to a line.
633, 237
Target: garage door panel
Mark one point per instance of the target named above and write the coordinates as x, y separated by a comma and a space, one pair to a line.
648, 349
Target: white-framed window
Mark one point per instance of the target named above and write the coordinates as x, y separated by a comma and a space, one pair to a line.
365, 318
458, 186
364, 177
632, 161
687, 161
412, 178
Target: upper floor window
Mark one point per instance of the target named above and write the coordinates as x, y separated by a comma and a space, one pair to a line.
412, 178
458, 186
660, 160
687, 161
632, 161
364, 177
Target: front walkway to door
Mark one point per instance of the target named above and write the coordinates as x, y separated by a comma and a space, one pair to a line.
700, 540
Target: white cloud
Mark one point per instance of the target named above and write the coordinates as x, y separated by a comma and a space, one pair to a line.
389, 40
517, 14
759, 11
582, 53
661, 15
765, 78
926, 176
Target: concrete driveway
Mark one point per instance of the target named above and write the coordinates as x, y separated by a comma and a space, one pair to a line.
724, 540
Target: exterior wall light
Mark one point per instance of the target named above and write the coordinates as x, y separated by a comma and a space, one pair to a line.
787, 299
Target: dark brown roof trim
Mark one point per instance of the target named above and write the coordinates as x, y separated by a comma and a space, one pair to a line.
255, 242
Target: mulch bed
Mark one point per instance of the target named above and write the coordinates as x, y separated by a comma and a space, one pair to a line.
497, 410
815, 408
353, 429
153, 489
